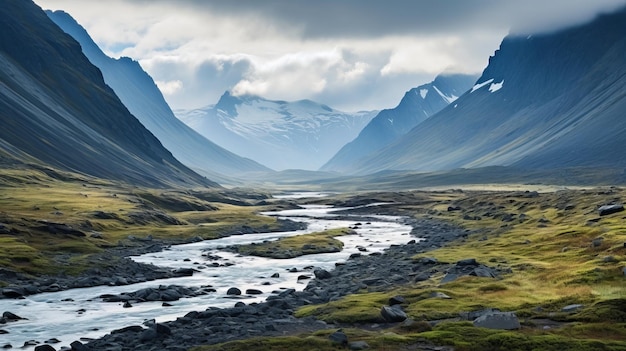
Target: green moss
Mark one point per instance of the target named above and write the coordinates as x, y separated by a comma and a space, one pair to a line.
299, 245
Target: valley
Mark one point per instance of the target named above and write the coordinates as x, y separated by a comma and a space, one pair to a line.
219, 202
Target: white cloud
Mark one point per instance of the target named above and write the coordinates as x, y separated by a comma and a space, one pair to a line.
353, 54
170, 87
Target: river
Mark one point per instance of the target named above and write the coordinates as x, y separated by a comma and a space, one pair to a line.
79, 313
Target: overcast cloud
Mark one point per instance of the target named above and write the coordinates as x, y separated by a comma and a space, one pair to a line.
349, 54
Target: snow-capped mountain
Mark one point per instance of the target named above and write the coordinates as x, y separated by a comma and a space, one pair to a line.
416, 105
144, 100
56, 109
282, 135
545, 101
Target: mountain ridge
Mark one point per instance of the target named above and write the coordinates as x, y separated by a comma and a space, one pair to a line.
57, 110
544, 101
281, 134
416, 105
138, 91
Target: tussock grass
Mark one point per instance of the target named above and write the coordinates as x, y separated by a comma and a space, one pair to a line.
299, 245
31, 198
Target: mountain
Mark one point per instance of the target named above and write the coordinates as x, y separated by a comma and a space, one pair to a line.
144, 100
545, 101
416, 105
57, 111
282, 135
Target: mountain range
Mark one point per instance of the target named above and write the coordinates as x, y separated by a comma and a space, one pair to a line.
57, 111
279, 134
416, 106
545, 101
144, 100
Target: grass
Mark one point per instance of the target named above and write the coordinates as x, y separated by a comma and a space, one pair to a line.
299, 245
32, 198
553, 260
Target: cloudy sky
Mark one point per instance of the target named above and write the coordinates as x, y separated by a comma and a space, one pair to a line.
349, 54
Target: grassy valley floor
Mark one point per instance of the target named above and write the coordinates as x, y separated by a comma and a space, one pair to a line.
552, 258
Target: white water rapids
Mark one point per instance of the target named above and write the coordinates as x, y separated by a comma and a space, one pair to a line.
72, 314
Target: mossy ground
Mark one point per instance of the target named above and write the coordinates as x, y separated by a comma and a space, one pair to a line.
560, 252
299, 245
30, 199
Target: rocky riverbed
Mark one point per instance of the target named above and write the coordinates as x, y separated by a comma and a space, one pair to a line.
373, 272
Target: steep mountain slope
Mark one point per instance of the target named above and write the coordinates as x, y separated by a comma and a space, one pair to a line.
140, 95
544, 101
56, 109
282, 135
416, 105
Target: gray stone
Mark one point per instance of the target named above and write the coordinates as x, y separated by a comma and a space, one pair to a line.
44, 348
78, 346
467, 262
396, 300
498, 320
572, 308
11, 316
322, 274
338, 337
253, 292
597, 242
439, 295
358, 345
610, 209
393, 313
148, 334
233, 291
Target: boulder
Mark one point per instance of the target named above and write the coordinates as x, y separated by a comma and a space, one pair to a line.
467, 262
253, 292
78, 346
13, 292
322, 274
233, 291
498, 320
610, 209
44, 348
396, 300
339, 337
11, 316
393, 314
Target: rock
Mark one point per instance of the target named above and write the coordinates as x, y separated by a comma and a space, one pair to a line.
393, 314
253, 292
148, 334
52, 341
44, 348
439, 295
183, 272
467, 262
597, 242
275, 275
610, 209
29, 343
163, 329
498, 320
11, 316
396, 300
127, 305
78, 346
428, 260
322, 274
2, 331
13, 292
339, 337
572, 308
233, 291
7, 346
358, 345
454, 208
609, 259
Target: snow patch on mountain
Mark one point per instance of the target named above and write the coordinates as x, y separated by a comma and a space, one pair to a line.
496, 86
480, 85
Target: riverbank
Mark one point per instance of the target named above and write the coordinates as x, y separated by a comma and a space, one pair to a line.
373, 272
